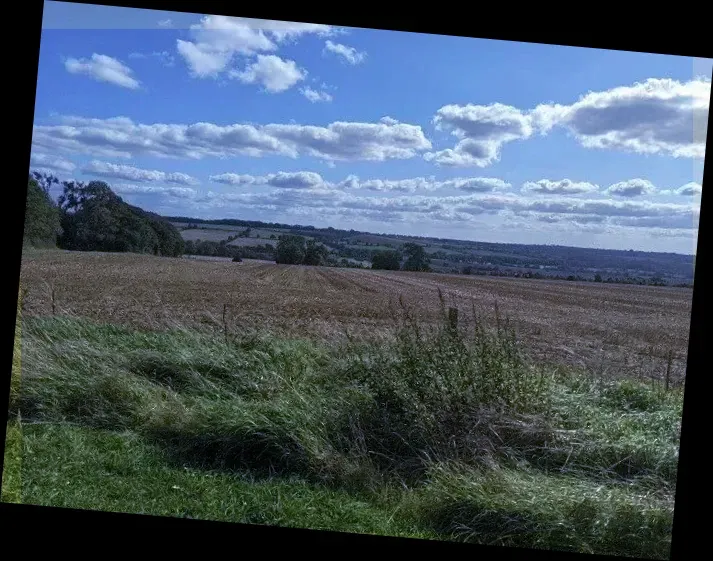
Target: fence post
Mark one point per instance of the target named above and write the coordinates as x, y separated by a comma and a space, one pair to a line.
668, 368
453, 319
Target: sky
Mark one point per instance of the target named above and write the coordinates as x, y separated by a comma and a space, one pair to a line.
211, 116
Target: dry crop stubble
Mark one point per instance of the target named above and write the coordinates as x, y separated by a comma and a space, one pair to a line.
608, 328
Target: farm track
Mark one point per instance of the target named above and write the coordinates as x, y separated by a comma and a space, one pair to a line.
601, 326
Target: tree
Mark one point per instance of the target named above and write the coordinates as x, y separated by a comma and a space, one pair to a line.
597, 278
94, 218
290, 250
42, 222
388, 260
416, 260
315, 253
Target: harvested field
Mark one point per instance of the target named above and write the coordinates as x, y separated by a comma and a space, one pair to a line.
611, 329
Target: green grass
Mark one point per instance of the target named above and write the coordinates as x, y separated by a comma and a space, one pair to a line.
12, 464
118, 472
450, 434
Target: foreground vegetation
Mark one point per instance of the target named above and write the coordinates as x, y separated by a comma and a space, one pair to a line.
449, 432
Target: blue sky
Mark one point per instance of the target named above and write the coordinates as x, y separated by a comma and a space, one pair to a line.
215, 117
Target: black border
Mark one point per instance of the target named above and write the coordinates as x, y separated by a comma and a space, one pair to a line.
606, 29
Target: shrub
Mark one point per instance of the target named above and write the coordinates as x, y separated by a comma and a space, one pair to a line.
386, 260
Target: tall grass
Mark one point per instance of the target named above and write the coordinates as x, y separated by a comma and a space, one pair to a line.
451, 427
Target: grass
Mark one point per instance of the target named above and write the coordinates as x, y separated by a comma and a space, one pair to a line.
444, 433
12, 465
602, 326
118, 472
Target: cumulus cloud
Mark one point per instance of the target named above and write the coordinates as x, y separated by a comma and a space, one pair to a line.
164, 57
410, 185
658, 116
165, 23
562, 187
103, 68
482, 130
177, 192
632, 188
690, 189
283, 180
273, 73
345, 197
216, 40
120, 171
349, 54
476, 184
121, 137
305, 179
51, 162
314, 96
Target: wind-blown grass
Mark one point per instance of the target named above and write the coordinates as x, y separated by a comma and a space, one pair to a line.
449, 432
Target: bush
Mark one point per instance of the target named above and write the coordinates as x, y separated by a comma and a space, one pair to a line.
386, 260
290, 250
94, 218
42, 223
436, 393
416, 260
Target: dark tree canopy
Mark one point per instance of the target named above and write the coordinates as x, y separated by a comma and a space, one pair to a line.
42, 219
292, 250
416, 260
389, 260
94, 218
315, 253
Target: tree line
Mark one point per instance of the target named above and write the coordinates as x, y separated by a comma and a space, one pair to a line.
415, 255
91, 217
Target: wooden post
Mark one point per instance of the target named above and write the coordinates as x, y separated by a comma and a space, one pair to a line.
54, 301
225, 324
668, 368
453, 319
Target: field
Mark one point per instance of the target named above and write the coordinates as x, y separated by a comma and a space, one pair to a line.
610, 329
341, 399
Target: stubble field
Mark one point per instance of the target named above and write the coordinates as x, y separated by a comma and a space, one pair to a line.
609, 329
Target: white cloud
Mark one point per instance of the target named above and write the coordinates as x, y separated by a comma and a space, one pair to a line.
165, 23
482, 130
339, 141
658, 116
104, 69
477, 184
324, 198
691, 189
273, 73
233, 179
216, 40
632, 188
350, 54
177, 192
282, 180
314, 95
51, 162
564, 186
410, 185
164, 57
106, 169
388, 120
305, 179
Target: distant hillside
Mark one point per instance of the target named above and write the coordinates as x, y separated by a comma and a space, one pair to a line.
356, 248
